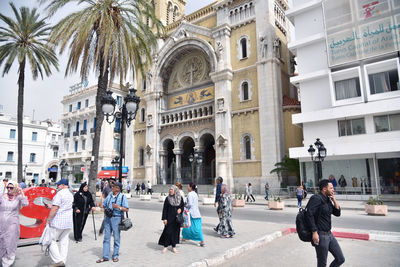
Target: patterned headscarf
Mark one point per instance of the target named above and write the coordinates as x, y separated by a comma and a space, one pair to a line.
12, 194
224, 189
176, 198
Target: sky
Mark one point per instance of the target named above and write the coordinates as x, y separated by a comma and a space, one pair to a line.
43, 97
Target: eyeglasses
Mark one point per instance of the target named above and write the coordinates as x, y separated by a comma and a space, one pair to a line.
10, 187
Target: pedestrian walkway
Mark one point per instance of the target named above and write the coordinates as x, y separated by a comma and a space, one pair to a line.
289, 251
139, 245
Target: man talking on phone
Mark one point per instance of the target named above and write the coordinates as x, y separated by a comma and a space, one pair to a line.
320, 208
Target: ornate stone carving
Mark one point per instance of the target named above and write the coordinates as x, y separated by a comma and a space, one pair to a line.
277, 47
193, 71
148, 149
220, 103
149, 120
263, 46
219, 50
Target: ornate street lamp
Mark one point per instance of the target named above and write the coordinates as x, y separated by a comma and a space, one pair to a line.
195, 159
25, 167
318, 158
126, 113
115, 164
63, 164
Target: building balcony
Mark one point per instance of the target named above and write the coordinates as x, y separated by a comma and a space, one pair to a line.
67, 135
83, 132
188, 114
92, 130
75, 133
117, 130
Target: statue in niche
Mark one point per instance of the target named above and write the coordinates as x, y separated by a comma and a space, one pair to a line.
149, 120
293, 64
277, 48
220, 103
149, 76
218, 51
263, 46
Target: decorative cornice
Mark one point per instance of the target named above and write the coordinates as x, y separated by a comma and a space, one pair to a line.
244, 111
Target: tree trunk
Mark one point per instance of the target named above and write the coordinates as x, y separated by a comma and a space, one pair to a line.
102, 85
20, 117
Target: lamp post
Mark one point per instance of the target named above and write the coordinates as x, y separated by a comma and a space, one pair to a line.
195, 159
25, 167
115, 164
63, 164
318, 158
127, 113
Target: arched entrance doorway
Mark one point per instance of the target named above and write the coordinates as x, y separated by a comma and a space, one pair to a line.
170, 170
208, 169
188, 168
53, 170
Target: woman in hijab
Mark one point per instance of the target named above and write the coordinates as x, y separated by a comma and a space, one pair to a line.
225, 228
173, 205
83, 203
10, 204
194, 232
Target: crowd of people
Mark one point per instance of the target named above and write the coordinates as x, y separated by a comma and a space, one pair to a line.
69, 212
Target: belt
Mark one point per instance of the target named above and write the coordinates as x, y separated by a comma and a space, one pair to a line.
324, 233
116, 216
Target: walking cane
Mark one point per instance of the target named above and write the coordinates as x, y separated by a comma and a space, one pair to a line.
94, 226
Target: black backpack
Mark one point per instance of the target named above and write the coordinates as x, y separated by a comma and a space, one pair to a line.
303, 228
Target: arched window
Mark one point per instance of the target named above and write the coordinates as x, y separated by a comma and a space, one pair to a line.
243, 47
245, 91
175, 14
247, 147
142, 115
141, 157
169, 9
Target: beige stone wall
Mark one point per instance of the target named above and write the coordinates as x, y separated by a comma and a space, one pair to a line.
285, 66
242, 124
293, 133
250, 31
140, 141
251, 76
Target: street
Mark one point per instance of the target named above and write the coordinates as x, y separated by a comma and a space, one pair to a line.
139, 245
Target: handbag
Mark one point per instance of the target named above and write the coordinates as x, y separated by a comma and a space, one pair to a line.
125, 224
179, 219
186, 218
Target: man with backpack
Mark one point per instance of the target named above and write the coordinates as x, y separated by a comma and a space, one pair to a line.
320, 207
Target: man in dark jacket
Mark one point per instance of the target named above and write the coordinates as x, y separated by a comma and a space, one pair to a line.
319, 210
218, 196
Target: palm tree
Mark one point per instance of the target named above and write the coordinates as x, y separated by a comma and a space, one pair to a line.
287, 165
25, 39
111, 37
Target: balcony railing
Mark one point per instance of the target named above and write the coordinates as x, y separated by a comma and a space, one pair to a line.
66, 135
75, 133
83, 132
191, 113
117, 130
92, 130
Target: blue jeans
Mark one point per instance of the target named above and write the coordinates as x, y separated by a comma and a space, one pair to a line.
266, 194
327, 242
111, 226
299, 200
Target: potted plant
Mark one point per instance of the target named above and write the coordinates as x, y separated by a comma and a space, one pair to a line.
238, 201
209, 200
162, 197
375, 206
276, 204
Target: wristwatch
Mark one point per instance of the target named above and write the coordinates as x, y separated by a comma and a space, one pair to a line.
120, 208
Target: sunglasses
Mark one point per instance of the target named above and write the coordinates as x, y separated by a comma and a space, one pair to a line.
10, 187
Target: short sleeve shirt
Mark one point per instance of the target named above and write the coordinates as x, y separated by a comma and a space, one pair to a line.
119, 199
63, 218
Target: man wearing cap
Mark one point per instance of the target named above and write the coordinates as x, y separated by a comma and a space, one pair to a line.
60, 221
106, 191
118, 204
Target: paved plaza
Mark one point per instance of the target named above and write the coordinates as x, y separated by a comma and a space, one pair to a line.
139, 245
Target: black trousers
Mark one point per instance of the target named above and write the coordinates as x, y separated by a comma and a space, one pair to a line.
79, 220
327, 242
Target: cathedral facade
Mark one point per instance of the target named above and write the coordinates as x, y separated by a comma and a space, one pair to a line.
213, 100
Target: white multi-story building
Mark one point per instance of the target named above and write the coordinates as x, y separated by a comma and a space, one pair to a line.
348, 74
41, 142
79, 123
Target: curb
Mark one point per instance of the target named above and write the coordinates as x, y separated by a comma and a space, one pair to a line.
233, 252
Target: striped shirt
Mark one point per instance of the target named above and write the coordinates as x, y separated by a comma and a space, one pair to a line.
63, 218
